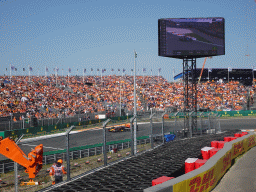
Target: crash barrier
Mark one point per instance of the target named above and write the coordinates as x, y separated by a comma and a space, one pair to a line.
78, 152
43, 130
207, 176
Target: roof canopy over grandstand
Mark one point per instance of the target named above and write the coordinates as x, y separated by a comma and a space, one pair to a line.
244, 76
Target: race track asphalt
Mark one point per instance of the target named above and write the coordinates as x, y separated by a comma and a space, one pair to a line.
91, 137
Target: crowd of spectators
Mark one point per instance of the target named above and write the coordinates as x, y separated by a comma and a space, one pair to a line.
210, 95
44, 98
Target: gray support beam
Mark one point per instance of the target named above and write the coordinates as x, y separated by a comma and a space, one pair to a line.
133, 152
151, 131
67, 152
105, 141
163, 125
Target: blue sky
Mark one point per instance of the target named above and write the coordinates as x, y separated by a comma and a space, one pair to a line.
85, 34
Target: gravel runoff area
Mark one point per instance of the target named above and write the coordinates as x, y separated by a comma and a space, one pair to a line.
137, 173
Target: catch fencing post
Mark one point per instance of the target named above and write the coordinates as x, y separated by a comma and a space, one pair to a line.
190, 124
219, 128
133, 152
67, 152
215, 123
201, 124
151, 130
209, 123
175, 124
104, 141
16, 166
163, 125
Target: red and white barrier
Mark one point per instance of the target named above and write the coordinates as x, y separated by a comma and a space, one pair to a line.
190, 164
160, 180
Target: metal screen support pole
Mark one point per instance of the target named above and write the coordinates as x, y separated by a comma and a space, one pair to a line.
133, 152
151, 131
105, 141
16, 166
67, 152
163, 125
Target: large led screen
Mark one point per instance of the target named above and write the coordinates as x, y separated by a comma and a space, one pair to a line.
191, 37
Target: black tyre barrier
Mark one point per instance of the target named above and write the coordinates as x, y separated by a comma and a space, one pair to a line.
105, 190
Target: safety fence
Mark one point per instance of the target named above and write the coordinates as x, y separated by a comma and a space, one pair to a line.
80, 152
95, 146
55, 127
34, 122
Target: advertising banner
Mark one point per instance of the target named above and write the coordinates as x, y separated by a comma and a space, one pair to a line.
207, 180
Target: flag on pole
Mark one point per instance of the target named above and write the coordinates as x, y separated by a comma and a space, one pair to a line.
23, 69
69, 70
98, 70
131, 69
47, 70
77, 69
15, 69
112, 69
151, 69
210, 70
118, 69
84, 70
30, 69
229, 69
144, 69
105, 70
135, 54
57, 69
6, 69
123, 70
159, 70
12, 67
91, 69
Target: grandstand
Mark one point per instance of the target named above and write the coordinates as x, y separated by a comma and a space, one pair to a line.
43, 99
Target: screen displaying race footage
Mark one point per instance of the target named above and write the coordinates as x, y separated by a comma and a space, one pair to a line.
191, 37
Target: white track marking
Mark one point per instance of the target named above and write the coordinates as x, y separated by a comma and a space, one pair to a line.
43, 146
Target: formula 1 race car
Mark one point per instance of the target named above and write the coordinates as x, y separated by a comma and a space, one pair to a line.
117, 129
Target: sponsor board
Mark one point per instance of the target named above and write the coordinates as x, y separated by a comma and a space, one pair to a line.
207, 180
